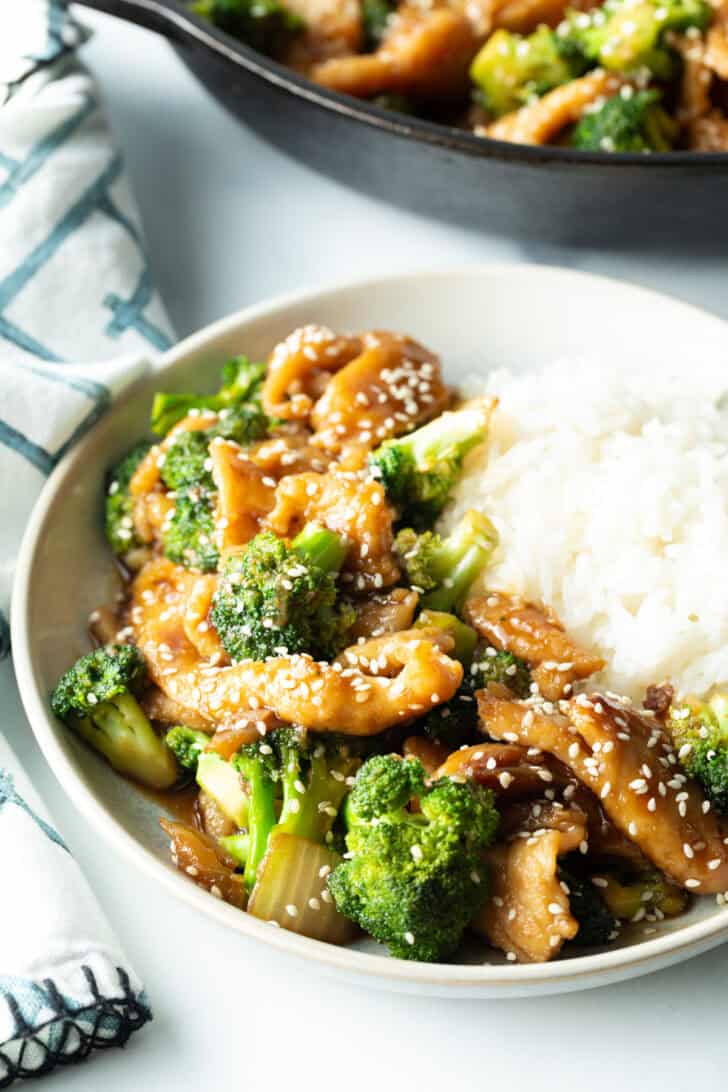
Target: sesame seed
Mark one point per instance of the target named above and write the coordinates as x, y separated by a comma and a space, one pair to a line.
692, 883
409, 937
292, 910
715, 863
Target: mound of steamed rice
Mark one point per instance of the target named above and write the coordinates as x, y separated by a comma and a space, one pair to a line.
609, 489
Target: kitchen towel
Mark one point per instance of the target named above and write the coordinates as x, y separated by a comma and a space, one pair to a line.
79, 319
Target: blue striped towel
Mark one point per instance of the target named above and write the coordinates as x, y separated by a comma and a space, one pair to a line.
78, 319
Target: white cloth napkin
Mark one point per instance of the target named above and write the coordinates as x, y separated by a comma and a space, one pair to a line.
78, 317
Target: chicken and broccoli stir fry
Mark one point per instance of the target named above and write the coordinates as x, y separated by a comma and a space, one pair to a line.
614, 76
374, 740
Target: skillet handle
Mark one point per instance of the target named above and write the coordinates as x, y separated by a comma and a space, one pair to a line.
164, 16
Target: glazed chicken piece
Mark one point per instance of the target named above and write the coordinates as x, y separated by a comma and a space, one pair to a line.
540, 121
528, 911
332, 28
627, 761
387, 613
289, 451
716, 41
196, 621
198, 855
394, 385
245, 494
300, 367
161, 708
516, 774
524, 16
426, 53
406, 674
709, 134
537, 636
350, 506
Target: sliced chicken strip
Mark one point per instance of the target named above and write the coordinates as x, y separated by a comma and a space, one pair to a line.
321, 697
196, 620
528, 911
626, 759
540, 121
300, 367
394, 385
537, 636
516, 773
426, 54
245, 494
349, 505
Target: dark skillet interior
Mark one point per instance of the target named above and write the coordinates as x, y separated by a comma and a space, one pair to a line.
555, 195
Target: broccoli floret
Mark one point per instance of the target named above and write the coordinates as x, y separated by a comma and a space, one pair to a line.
186, 744
445, 568
274, 596
265, 25
119, 520
418, 471
96, 698
188, 536
699, 731
511, 69
626, 123
628, 35
597, 927
455, 722
630, 894
310, 776
241, 383
415, 879
374, 19
186, 461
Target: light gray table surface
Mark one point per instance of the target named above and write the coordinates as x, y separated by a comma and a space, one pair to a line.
229, 222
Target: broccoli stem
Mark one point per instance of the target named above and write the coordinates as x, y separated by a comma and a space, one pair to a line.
310, 814
236, 846
458, 562
321, 547
120, 730
464, 636
261, 817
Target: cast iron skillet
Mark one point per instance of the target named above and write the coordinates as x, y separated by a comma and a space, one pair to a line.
549, 194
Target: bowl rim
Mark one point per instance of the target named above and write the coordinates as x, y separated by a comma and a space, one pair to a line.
469, 979
172, 16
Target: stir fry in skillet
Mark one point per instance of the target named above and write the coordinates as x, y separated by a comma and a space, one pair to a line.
371, 738
616, 76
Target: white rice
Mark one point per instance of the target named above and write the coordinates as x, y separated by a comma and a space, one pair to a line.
609, 489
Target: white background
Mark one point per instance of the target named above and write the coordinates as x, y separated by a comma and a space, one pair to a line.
229, 222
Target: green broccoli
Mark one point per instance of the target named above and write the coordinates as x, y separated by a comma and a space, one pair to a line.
511, 69
265, 25
275, 596
638, 893
309, 776
187, 459
629, 35
96, 698
375, 18
188, 536
628, 122
241, 383
415, 879
455, 722
597, 926
444, 569
186, 744
419, 470
699, 731
119, 512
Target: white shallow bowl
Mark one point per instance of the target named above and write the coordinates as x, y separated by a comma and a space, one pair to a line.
478, 319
